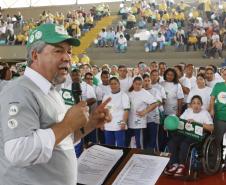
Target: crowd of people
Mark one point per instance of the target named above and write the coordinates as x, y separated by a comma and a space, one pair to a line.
200, 25
14, 29
114, 37
144, 95
141, 99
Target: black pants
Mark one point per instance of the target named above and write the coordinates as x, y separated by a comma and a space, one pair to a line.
130, 25
179, 147
100, 135
163, 138
213, 52
219, 130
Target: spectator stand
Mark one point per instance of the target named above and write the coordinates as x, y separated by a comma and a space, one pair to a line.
14, 29
170, 21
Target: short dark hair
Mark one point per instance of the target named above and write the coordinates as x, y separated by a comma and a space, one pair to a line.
162, 63
201, 68
214, 68
114, 78
95, 66
201, 75
209, 69
81, 66
154, 62
179, 67
122, 66
189, 65
3, 72
197, 97
138, 78
88, 65
105, 72
146, 75
88, 74
76, 70
140, 63
153, 71
175, 80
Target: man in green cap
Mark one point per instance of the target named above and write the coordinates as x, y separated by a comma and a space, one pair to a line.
37, 131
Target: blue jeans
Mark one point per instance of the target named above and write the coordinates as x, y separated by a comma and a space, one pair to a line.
133, 132
110, 41
121, 48
91, 137
115, 138
150, 47
151, 136
102, 42
161, 46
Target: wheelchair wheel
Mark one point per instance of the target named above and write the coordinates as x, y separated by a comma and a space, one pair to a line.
211, 156
193, 170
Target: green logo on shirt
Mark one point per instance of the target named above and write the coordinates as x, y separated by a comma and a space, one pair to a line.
67, 97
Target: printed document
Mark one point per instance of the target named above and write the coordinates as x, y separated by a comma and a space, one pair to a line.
95, 163
142, 170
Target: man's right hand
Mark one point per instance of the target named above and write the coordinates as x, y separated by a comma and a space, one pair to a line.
77, 116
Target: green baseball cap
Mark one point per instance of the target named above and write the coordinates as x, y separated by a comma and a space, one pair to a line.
51, 34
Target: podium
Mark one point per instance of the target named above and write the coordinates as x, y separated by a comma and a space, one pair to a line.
127, 154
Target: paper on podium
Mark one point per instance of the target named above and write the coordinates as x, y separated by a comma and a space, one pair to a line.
142, 170
95, 163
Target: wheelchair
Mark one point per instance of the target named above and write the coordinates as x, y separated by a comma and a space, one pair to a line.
204, 156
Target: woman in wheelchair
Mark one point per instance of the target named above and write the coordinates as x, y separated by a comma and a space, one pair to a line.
179, 144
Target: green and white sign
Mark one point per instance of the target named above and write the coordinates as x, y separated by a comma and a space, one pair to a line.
191, 129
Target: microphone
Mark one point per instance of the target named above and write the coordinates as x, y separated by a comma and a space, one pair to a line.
76, 92
77, 95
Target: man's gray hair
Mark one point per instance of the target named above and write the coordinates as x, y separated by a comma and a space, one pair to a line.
38, 47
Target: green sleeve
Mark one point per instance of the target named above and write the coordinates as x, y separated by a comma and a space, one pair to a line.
95, 81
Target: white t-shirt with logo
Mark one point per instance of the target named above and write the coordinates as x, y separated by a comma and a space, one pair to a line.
87, 91
154, 116
173, 93
118, 104
125, 84
202, 117
186, 83
204, 93
139, 101
160, 88
192, 82
102, 90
